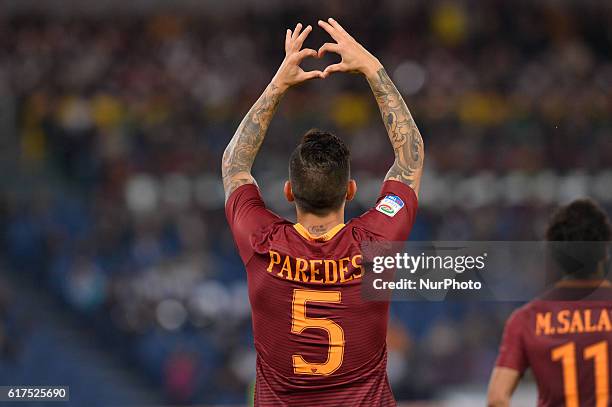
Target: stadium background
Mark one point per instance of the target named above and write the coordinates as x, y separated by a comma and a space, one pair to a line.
119, 276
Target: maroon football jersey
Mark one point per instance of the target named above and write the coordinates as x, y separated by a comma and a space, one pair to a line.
318, 342
566, 338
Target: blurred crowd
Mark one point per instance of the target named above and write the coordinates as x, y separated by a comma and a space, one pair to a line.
120, 123
10, 329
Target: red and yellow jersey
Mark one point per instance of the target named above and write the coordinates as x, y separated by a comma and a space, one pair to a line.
566, 338
317, 341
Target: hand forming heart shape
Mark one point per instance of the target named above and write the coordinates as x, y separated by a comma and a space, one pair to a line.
355, 58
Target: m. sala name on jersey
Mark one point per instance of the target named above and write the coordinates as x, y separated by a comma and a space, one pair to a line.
322, 271
573, 321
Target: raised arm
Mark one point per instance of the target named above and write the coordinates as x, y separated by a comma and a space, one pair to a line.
240, 153
403, 132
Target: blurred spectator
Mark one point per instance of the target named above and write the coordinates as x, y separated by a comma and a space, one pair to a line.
11, 332
179, 378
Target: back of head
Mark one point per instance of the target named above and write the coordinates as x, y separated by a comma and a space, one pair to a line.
580, 233
319, 171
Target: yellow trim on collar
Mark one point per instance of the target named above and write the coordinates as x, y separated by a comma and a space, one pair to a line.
322, 238
584, 283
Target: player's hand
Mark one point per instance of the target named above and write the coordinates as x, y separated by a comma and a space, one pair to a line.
290, 73
355, 58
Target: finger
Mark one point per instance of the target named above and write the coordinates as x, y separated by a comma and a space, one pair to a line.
296, 32
334, 68
306, 52
311, 75
287, 39
328, 47
330, 30
300, 40
336, 25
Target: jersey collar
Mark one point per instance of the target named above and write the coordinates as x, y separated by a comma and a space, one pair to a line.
322, 238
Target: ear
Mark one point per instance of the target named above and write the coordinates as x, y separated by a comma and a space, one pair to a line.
351, 190
288, 192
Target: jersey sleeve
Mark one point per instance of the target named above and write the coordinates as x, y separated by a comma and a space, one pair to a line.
512, 352
246, 213
392, 217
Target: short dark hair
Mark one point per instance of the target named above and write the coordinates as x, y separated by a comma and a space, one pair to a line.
319, 171
581, 221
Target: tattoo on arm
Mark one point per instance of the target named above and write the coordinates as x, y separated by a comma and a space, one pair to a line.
403, 132
240, 153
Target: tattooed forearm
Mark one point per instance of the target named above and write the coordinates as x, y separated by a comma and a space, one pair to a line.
241, 151
403, 132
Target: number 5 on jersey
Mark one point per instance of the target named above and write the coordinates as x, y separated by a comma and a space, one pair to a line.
300, 322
